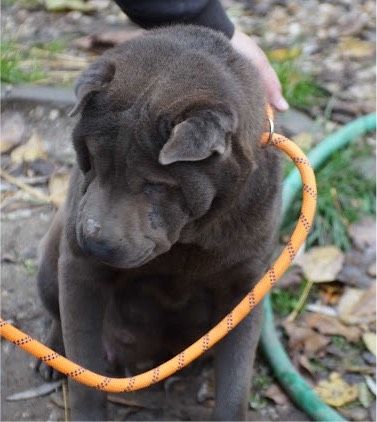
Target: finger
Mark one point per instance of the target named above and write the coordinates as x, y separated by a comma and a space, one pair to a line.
271, 82
273, 87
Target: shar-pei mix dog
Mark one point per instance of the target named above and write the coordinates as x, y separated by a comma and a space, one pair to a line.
171, 215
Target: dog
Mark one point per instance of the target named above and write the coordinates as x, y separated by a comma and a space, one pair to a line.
171, 215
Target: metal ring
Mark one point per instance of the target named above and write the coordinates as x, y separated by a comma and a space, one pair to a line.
272, 129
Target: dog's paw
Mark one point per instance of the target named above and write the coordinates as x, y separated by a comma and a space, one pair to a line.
47, 372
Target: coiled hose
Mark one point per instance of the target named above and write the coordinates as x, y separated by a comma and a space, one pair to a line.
289, 378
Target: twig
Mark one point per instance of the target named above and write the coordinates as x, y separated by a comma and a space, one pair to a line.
301, 302
65, 401
31, 191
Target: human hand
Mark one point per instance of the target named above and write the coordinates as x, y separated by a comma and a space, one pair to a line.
249, 48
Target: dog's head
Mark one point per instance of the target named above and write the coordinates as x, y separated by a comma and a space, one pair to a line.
159, 147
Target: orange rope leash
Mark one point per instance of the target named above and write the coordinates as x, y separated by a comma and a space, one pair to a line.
146, 379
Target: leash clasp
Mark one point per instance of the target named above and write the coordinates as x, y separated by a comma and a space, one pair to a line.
267, 136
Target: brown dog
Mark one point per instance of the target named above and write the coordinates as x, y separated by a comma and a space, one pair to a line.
172, 212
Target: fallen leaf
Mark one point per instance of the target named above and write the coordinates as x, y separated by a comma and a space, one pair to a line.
371, 384
329, 325
12, 131
32, 150
276, 394
41, 390
304, 140
58, 188
284, 54
372, 270
335, 391
304, 361
322, 263
292, 277
363, 233
321, 309
364, 396
66, 5
355, 268
356, 48
330, 293
107, 39
304, 339
370, 342
355, 413
358, 306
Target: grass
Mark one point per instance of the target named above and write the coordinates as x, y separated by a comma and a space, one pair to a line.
284, 300
345, 196
39, 63
260, 382
11, 60
30, 267
299, 88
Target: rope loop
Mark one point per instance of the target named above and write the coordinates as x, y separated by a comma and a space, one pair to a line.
146, 379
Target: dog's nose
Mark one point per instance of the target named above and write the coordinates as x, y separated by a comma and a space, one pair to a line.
94, 242
98, 248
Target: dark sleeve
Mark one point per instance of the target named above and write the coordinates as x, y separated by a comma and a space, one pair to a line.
153, 13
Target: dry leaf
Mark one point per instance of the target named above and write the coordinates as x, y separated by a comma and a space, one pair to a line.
276, 394
58, 188
304, 361
330, 293
355, 268
32, 150
335, 391
363, 233
364, 396
356, 48
372, 270
304, 140
284, 54
358, 306
39, 391
65, 5
322, 263
304, 339
370, 342
107, 39
328, 325
370, 383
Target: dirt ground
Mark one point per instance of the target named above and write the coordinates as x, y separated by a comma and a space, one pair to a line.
346, 71
22, 229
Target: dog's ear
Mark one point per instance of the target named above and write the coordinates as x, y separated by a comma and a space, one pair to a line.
199, 136
94, 79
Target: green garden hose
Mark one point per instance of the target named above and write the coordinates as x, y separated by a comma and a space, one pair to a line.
288, 377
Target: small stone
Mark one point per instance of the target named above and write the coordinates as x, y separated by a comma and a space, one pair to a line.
38, 112
54, 114
293, 122
372, 270
13, 129
369, 358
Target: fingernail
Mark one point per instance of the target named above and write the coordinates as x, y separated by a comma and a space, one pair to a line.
281, 104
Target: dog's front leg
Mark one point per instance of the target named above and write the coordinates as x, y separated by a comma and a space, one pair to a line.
82, 302
234, 360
